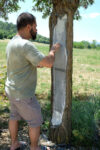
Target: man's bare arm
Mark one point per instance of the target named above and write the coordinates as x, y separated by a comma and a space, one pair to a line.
48, 61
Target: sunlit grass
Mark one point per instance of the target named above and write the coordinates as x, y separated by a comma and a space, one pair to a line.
86, 72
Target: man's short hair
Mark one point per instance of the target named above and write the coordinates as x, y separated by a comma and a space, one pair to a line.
24, 19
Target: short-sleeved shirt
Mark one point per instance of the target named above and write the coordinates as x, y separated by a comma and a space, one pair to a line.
22, 60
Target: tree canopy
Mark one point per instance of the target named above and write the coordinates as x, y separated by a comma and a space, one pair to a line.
7, 30
8, 6
44, 6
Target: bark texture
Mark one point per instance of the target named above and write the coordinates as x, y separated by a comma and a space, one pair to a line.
62, 133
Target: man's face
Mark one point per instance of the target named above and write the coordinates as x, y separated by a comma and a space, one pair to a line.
33, 31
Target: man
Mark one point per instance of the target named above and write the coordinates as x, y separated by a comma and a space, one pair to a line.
23, 58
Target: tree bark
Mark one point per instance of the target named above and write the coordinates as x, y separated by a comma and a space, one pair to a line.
61, 91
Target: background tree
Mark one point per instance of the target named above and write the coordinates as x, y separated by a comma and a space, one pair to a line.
7, 30
93, 45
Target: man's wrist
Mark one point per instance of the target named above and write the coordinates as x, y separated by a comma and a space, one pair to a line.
53, 48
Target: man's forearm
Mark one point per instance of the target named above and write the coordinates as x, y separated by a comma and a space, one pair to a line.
48, 61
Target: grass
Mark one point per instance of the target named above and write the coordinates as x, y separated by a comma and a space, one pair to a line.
86, 56
86, 69
86, 93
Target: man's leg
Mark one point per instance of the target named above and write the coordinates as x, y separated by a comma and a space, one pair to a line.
13, 129
34, 134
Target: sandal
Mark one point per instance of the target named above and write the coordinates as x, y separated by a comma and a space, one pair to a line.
22, 146
43, 147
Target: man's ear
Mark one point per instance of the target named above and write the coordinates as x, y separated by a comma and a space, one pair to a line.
28, 27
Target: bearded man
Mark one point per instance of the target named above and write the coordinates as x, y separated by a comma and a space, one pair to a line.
23, 58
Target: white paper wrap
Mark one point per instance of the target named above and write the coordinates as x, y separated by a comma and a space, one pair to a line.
59, 72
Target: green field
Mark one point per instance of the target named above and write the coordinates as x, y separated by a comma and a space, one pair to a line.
86, 93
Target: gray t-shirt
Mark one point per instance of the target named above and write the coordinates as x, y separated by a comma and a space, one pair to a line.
22, 60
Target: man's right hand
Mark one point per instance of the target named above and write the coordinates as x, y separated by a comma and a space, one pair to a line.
48, 61
56, 47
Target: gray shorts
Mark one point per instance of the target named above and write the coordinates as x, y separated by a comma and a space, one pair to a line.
27, 109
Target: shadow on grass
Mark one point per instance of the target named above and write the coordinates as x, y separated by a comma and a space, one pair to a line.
4, 114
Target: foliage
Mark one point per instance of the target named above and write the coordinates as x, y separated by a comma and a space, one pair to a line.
8, 6
85, 121
86, 44
86, 3
83, 124
8, 30
98, 46
42, 39
46, 6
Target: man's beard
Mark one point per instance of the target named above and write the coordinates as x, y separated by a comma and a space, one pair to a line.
33, 34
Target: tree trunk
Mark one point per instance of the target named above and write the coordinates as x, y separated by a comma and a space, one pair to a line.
61, 30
